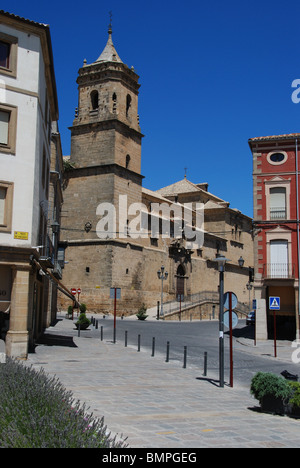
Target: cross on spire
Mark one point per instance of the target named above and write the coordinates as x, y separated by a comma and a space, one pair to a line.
110, 22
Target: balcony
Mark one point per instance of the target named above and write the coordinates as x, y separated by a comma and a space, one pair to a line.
57, 271
279, 271
277, 213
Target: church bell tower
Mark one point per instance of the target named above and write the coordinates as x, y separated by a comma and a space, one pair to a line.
105, 162
106, 127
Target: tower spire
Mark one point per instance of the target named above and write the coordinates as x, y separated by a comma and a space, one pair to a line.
109, 53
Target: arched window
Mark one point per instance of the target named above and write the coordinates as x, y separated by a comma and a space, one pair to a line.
128, 104
127, 161
95, 99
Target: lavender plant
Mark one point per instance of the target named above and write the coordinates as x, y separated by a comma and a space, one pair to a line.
36, 411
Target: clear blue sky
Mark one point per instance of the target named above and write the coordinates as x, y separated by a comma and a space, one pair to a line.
212, 74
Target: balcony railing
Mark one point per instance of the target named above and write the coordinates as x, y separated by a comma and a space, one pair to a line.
277, 213
279, 270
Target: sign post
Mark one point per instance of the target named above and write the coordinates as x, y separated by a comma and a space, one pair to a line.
230, 302
73, 292
78, 293
274, 304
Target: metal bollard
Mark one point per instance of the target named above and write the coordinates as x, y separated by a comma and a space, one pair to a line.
153, 346
168, 351
184, 356
101, 333
139, 343
126, 333
96, 324
205, 364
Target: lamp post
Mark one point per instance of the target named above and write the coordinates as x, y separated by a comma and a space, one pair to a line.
162, 275
221, 267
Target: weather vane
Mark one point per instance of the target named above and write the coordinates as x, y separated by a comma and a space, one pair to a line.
185, 169
110, 19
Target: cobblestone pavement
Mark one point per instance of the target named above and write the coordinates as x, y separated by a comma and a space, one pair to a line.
157, 404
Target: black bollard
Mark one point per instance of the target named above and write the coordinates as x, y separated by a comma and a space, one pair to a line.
168, 351
153, 347
139, 343
101, 333
184, 356
205, 364
126, 333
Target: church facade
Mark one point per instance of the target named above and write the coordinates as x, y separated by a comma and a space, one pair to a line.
115, 232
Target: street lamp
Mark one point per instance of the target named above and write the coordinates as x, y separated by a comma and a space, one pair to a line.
221, 267
162, 275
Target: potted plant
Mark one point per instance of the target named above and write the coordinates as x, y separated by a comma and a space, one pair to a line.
141, 315
272, 392
83, 321
70, 312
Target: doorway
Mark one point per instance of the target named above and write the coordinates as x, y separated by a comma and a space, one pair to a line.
180, 281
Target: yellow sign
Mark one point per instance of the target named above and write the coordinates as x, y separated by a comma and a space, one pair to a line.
21, 235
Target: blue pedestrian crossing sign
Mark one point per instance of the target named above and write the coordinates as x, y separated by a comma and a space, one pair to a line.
274, 303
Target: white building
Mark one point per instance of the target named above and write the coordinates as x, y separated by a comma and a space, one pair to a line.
28, 106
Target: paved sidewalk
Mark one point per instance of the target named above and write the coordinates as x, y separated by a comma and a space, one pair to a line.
157, 404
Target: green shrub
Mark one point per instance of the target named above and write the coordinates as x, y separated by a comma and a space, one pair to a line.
37, 412
83, 320
141, 315
266, 383
70, 310
295, 397
82, 308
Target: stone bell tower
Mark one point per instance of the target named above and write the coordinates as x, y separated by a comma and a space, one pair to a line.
105, 163
106, 127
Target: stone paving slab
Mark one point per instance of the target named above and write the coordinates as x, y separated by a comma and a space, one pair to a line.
157, 404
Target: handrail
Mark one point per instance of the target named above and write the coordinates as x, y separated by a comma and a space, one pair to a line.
196, 299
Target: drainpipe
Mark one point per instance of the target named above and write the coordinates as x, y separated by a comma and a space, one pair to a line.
298, 240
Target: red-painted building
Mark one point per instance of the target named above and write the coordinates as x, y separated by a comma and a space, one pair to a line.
276, 233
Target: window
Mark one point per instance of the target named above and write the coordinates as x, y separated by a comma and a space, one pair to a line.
4, 54
8, 55
278, 203
8, 122
4, 121
127, 161
2, 204
279, 266
278, 198
95, 99
128, 104
6, 197
277, 158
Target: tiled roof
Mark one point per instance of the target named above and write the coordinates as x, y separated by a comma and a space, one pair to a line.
276, 137
20, 18
182, 186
